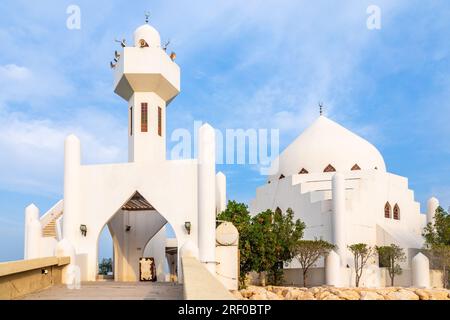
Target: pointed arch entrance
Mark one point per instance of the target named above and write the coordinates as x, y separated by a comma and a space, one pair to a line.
134, 225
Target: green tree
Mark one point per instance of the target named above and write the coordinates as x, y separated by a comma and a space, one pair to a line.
308, 252
287, 233
263, 243
437, 242
389, 257
105, 266
266, 240
361, 254
237, 213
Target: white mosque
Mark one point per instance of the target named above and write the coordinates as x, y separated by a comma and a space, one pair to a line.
138, 199
337, 183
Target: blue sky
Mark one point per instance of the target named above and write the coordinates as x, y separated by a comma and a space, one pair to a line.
245, 64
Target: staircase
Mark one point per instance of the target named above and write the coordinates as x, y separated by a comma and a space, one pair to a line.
49, 220
50, 229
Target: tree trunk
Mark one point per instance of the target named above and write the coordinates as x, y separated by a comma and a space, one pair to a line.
262, 278
392, 281
305, 277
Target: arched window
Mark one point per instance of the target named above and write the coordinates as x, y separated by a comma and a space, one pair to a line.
329, 168
356, 167
387, 210
282, 177
396, 212
303, 171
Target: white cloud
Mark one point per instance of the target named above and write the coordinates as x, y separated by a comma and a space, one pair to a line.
31, 156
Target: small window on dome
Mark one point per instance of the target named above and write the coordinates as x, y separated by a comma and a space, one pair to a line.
387, 210
329, 168
356, 167
396, 212
282, 177
303, 171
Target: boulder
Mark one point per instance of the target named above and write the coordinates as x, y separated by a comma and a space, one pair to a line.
259, 296
422, 294
348, 295
371, 295
272, 296
305, 295
402, 295
439, 295
237, 294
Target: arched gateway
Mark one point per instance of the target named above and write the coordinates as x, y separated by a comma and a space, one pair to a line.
138, 198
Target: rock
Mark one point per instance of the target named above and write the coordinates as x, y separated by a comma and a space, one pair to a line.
314, 290
237, 294
371, 295
402, 295
272, 296
332, 297
306, 295
439, 295
246, 293
259, 296
423, 294
348, 295
292, 294
321, 295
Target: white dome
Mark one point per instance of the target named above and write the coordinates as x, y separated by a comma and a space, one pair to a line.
147, 33
327, 143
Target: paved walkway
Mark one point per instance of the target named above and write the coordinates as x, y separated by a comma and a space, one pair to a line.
110, 290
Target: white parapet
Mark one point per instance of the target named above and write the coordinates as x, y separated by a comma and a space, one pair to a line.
221, 192
420, 271
72, 189
333, 269
33, 233
432, 205
207, 196
338, 218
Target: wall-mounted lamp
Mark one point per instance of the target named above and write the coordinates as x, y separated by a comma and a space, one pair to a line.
83, 230
187, 226
127, 228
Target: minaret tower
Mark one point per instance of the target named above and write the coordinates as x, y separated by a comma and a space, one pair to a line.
148, 78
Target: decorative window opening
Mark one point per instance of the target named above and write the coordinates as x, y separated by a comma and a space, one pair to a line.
160, 121
144, 117
356, 167
282, 177
303, 171
131, 121
329, 168
396, 212
387, 210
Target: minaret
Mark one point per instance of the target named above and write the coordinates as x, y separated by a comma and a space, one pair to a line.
148, 78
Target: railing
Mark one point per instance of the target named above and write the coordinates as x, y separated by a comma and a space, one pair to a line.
53, 213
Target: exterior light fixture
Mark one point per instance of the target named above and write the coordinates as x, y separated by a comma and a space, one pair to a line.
127, 228
188, 226
83, 230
